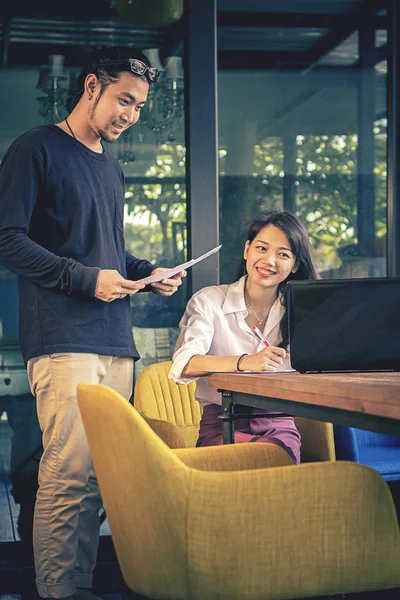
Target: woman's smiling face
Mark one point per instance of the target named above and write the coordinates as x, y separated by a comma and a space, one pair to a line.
269, 257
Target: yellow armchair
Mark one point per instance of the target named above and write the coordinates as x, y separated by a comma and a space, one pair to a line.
182, 533
171, 410
174, 414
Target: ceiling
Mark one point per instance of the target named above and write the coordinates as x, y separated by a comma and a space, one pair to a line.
299, 58
261, 33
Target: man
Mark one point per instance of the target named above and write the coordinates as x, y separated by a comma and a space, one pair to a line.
61, 232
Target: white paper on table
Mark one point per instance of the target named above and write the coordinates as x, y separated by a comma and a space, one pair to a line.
285, 368
170, 272
250, 372
247, 372
270, 372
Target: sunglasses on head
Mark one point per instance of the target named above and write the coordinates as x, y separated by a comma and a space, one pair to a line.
138, 67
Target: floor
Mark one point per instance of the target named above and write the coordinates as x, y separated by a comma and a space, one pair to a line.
18, 597
374, 596
8, 509
16, 561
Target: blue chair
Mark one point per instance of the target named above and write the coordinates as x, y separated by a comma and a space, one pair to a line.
377, 450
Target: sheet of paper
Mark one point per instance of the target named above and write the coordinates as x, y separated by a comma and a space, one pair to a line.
174, 270
271, 372
250, 372
286, 368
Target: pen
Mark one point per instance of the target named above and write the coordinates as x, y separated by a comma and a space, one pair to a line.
261, 336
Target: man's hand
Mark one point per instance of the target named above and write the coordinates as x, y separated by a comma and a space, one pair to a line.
112, 286
167, 287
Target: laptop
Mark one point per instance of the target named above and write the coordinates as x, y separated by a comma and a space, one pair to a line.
344, 324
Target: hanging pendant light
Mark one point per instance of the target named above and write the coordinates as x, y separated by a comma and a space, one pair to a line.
150, 13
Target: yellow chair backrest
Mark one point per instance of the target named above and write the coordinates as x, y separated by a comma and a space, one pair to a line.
181, 533
317, 440
143, 488
159, 398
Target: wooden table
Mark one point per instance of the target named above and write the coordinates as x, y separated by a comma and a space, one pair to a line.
365, 400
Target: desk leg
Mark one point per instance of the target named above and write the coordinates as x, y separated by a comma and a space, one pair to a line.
228, 423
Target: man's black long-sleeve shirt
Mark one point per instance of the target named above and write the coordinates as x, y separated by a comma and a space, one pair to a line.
61, 221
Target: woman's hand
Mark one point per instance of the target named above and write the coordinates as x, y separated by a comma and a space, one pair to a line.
268, 359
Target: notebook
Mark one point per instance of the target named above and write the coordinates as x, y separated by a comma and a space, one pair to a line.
344, 325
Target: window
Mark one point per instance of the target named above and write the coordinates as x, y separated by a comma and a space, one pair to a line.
302, 126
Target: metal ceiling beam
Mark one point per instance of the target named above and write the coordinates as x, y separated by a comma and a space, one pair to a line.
292, 61
380, 54
73, 8
257, 59
68, 36
363, 12
287, 20
5, 41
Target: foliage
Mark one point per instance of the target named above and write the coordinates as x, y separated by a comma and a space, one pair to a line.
326, 184
325, 180
153, 209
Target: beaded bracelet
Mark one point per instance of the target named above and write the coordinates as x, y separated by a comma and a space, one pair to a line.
239, 361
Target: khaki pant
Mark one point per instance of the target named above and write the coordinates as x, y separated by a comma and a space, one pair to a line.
66, 524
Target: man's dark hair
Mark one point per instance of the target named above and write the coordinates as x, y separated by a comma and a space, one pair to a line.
107, 63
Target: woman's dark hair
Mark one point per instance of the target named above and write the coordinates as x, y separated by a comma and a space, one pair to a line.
296, 234
107, 63
299, 244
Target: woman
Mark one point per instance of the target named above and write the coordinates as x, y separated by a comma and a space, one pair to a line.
217, 332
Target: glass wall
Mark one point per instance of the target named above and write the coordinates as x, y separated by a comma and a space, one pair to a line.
39, 70
306, 132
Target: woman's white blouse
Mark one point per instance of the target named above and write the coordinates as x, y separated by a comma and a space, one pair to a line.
214, 324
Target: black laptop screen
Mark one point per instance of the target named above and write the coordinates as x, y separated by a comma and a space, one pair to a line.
344, 325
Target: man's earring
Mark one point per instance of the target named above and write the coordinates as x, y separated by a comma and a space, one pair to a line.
90, 97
